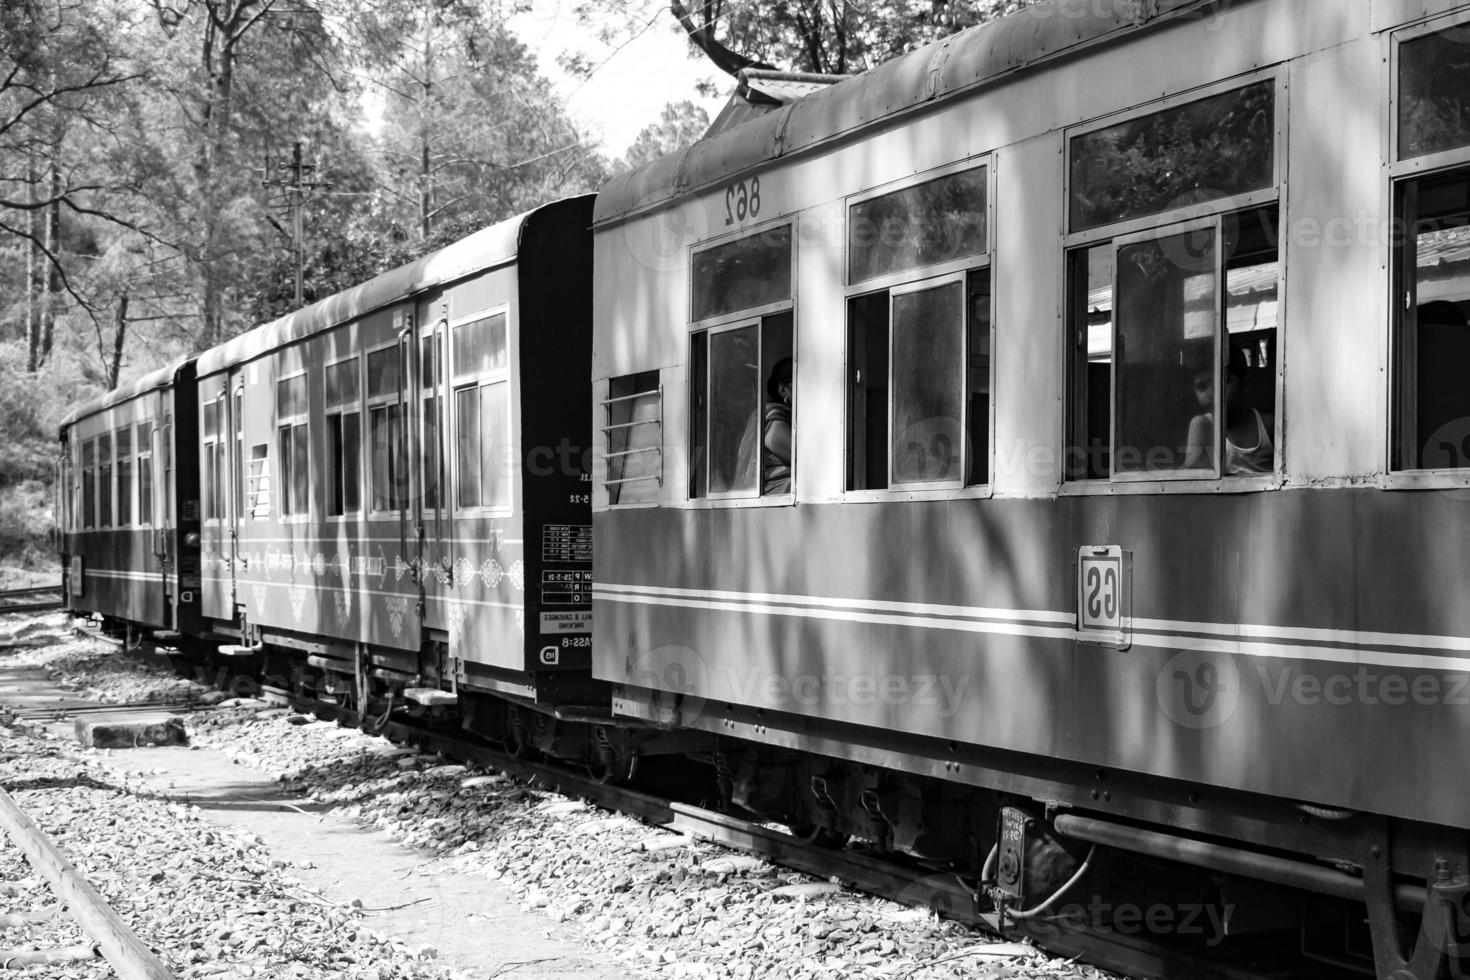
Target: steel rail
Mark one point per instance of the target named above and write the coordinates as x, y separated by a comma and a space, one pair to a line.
129, 955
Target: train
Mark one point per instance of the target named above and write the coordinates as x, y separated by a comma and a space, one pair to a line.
1044, 456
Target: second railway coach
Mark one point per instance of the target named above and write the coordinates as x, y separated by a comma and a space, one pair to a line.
1073, 411
395, 489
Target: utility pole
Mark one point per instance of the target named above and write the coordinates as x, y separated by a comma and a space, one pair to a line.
296, 182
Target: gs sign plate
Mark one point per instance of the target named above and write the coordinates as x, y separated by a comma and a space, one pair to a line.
1103, 574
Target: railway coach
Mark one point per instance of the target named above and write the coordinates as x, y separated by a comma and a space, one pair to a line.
129, 505
1122, 505
396, 488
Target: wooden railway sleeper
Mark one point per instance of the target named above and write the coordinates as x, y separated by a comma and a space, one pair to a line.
1442, 946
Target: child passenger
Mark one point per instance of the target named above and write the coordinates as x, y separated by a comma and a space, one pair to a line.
1248, 446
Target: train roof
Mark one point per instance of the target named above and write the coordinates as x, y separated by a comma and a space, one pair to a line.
496, 245
152, 381
980, 56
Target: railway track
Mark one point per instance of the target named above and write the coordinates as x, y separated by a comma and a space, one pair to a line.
876, 874
129, 956
31, 600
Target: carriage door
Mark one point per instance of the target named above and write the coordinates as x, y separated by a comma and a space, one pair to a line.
235, 504
432, 458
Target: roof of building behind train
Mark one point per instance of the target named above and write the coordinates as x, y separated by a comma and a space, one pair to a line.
485, 249
153, 380
970, 59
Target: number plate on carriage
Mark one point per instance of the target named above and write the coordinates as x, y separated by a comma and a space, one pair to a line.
1103, 595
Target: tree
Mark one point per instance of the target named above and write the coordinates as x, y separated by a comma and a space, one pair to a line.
680, 124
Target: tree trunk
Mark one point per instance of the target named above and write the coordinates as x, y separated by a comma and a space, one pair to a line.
118, 338
35, 263
53, 278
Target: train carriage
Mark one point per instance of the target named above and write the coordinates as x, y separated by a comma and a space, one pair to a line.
1127, 486
395, 492
129, 513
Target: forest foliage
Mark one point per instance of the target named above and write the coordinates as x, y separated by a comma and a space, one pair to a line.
151, 153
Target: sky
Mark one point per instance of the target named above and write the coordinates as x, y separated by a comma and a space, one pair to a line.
631, 84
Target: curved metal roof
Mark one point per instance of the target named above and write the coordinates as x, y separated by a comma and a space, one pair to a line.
153, 380
968, 60
485, 249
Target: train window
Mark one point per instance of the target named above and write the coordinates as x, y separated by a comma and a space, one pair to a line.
1434, 92
1432, 407
481, 412
736, 383
122, 439
743, 274
919, 400
634, 438
293, 445
387, 438
104, 480
344, 438
89, 483
1209, 149
929, 224
258, 482
1159, 322
145, 474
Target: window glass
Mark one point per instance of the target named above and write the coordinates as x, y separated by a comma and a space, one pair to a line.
382, 372
291, 397
734, 400
1205, 150
743, 274
1434, 92
467, 446
341, 383
295, 469
936, 221
634, 438
479, 346
1433, 406
928, 384
390, 475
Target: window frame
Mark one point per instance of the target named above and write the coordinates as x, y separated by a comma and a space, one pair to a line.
338, 409
300, 512
1159, 225
754, 316
1396, 174
479, 381
912, 280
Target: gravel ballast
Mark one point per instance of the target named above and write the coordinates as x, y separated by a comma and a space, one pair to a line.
215, 903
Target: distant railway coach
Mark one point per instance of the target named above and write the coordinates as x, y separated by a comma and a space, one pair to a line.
1042, 413
393, 479
129, 504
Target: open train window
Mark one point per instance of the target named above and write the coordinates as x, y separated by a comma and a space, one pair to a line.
89, 484
1172, 273
344, 437
104, 480
919, 335
742, 376
1431, 405
122, 439
480, 375
145, 473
